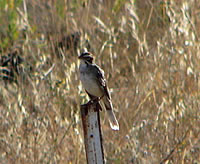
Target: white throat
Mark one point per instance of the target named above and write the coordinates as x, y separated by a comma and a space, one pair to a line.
83, 66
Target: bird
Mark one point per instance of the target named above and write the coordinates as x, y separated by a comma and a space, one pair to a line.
94, 82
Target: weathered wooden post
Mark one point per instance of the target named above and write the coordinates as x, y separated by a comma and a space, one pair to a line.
92, 133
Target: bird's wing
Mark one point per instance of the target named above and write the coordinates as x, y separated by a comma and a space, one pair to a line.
101, 79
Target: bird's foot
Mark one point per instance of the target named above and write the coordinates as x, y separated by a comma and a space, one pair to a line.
95, 101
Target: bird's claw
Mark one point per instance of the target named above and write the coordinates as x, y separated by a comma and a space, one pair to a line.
95, 102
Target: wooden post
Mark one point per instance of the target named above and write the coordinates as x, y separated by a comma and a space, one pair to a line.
92, 134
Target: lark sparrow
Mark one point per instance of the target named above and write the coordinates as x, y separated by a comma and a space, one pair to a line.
94, 82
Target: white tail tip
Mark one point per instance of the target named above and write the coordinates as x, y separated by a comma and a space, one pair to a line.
113, 121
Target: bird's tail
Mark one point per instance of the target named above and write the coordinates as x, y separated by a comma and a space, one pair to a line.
112, 119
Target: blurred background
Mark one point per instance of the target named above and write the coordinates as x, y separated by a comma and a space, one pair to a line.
150, 51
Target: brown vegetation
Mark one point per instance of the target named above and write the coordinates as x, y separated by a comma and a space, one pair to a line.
150, 52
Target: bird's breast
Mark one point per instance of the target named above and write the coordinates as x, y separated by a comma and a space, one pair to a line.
90, 84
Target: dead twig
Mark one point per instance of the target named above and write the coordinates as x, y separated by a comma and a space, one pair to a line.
169, 156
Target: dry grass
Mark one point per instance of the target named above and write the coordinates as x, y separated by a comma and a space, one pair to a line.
150, 52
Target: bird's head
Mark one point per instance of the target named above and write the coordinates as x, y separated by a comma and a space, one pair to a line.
86, 56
